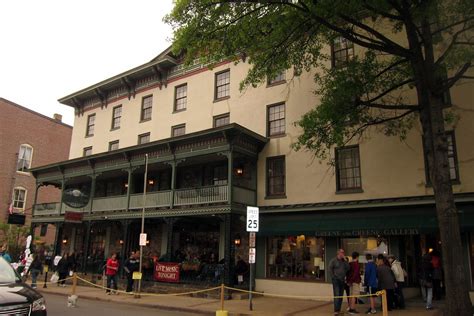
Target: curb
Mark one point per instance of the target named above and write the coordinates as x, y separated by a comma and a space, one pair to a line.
148, 305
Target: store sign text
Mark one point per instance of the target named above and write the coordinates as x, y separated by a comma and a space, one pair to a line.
166, 272
369, 232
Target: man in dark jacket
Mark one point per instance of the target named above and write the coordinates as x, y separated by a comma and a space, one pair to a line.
338, 268
386, 279
131, 265
63, 270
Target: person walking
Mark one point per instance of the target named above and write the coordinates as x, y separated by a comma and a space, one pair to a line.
399, 274
426, 280
353, 279
131, 265
35, 269
386, 279
63, 270
338, 268
370, 281
437, 274
4, 253
111, 269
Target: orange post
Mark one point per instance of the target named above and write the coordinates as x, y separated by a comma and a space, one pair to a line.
384, 303
74, 283
222, 296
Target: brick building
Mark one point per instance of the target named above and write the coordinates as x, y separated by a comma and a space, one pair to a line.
28, 139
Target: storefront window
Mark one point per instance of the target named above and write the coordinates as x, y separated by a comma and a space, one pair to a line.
365, 245
296, 257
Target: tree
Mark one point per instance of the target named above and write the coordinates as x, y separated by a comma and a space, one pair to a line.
12, 236
417, 47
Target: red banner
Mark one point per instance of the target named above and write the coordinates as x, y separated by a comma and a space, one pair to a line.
73, 217
166, 272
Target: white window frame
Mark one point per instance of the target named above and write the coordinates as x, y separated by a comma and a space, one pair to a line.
15, 201
18, 158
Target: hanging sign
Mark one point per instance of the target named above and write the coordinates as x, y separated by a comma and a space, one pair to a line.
252, 219
166, 272
142, 239
252, 255
252, 240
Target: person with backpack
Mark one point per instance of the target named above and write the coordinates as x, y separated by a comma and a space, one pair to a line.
370, 281
426, 280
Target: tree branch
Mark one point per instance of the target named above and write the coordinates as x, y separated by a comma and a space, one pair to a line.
460, 74
452, 44
382, 13
393, 88
377, 34
447, 27
391, 107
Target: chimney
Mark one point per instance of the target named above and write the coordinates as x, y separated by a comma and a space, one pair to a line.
58, 117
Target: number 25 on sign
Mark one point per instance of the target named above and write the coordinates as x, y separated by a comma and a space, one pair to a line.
252, 219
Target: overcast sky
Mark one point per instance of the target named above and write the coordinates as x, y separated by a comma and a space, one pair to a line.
52, 48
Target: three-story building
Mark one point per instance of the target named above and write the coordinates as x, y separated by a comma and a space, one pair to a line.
213, 150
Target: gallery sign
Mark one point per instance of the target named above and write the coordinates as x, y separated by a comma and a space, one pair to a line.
166, 272
368, 232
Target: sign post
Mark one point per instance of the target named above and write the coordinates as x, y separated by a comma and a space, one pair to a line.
252, 225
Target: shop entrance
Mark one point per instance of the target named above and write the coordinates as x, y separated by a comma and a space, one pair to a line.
196, 246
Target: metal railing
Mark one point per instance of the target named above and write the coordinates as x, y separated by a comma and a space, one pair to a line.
202, 195
153, 199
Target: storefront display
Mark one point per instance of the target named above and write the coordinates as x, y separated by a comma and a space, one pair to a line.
296, 257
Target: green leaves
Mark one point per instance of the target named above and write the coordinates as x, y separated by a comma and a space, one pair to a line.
371, 90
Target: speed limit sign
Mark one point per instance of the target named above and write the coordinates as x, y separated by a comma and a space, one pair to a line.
252, 219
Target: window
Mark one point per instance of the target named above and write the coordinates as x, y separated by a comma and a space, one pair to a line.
348, 168
114, 145
24, 158
276, 120
19, 198
181, 97
221, 120
90, 125
296, 257
87, 151
452, 159
116, 116
178, 130
276, 176
219, 175
342, 51
280, 78
143, 138
222, 84
147, 103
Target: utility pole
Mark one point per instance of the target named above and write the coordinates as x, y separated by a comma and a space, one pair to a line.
143, 225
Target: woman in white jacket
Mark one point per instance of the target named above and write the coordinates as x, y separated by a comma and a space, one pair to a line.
399, 274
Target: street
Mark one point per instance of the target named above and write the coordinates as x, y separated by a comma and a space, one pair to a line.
57, 306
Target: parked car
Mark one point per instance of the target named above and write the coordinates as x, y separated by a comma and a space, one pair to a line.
16, 297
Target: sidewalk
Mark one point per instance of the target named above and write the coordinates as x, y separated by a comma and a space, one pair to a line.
203, 306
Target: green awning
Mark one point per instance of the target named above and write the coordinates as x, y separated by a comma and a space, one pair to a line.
361, 222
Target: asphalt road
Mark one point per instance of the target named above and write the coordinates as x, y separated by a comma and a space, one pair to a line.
57, 306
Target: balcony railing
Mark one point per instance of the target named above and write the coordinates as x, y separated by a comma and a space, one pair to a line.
182, 197
153, 199
204, 195
110, 203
